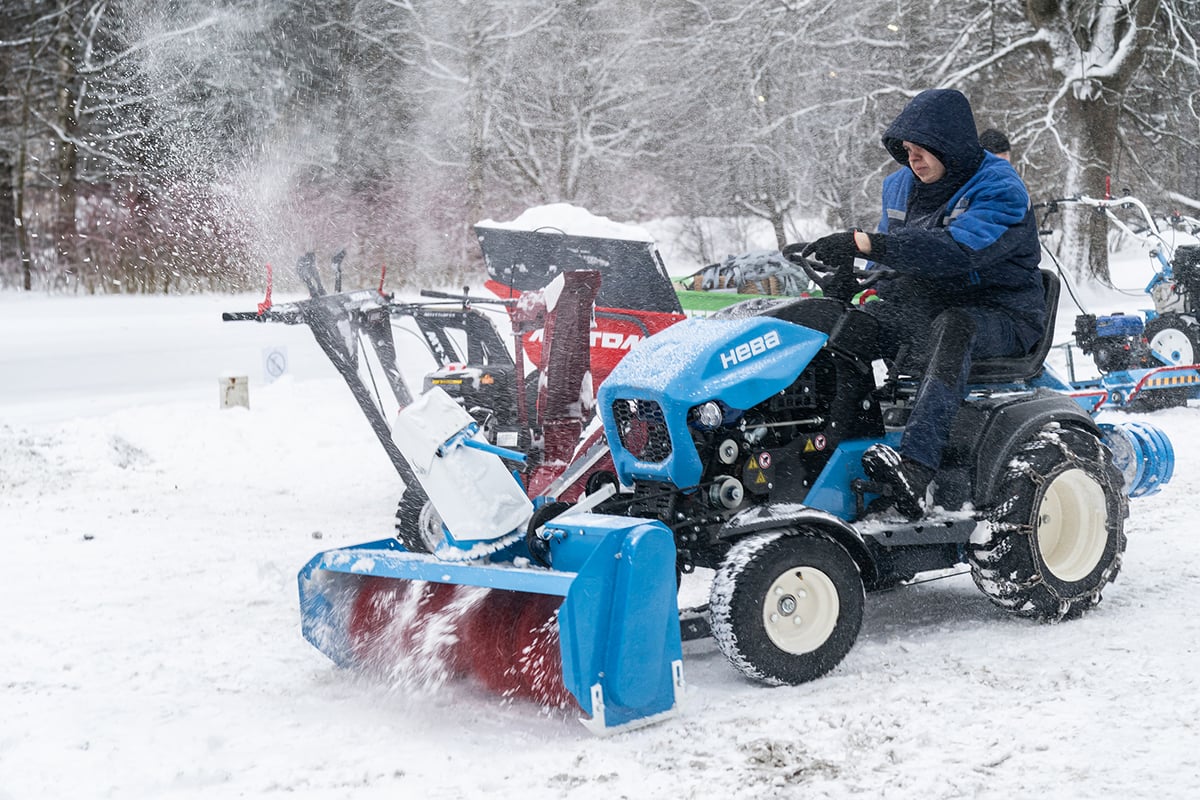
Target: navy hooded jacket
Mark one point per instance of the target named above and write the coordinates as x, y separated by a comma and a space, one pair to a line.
970, 238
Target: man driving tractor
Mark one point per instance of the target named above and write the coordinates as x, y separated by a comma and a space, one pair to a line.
960, 239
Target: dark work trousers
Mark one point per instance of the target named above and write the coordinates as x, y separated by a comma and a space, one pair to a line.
942, 340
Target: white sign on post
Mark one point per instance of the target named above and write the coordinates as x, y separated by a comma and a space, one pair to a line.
275, 363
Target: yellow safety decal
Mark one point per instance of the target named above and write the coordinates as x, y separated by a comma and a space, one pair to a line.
1174, 380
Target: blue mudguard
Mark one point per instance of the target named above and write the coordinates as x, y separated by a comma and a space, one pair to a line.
738, 362
618, 625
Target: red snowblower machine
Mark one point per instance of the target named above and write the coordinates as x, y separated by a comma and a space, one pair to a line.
488, 457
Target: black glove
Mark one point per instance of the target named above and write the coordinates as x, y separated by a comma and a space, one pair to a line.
834, 250
878, 245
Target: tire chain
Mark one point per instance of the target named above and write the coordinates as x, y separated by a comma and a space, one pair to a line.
1008, 572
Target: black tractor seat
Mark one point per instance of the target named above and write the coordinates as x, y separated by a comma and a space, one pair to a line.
1019, 369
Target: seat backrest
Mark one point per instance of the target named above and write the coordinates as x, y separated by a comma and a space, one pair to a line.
1018, 369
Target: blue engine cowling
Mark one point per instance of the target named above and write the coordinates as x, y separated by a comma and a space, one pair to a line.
645, 402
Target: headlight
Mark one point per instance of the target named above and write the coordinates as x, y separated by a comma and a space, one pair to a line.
710, 414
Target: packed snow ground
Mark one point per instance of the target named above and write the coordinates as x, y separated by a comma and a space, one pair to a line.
151, 643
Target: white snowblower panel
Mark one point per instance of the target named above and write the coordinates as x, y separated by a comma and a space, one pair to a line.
475, 494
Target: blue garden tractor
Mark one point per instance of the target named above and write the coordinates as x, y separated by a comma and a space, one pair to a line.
744, 436
736, 446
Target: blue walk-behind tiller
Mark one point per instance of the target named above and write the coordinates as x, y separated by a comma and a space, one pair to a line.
598, 627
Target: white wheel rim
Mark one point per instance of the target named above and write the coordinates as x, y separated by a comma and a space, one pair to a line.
1173, 345
800, 610
1072, 528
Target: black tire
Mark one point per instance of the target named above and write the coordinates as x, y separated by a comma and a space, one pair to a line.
418, 524
1056, 536
1174, 338
539, 549
786, 606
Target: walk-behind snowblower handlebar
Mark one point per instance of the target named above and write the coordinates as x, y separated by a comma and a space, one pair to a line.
330, 317
1099, 203
468, 300
1106, 207
526, 314
288, 317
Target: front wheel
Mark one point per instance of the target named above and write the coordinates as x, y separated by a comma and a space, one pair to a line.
786, 607
1056, 536
418, 524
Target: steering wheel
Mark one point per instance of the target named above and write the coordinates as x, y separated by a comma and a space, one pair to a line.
839, 281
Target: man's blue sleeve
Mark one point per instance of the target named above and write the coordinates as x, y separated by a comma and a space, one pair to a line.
987, 209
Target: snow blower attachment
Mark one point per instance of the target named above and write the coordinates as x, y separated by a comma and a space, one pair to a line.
598, 628
590, 622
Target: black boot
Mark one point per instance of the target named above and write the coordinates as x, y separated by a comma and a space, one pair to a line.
907, 479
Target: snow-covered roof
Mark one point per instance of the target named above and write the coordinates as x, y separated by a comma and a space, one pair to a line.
573, 221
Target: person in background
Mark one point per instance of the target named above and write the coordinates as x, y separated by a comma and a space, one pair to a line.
997, 143
960, 238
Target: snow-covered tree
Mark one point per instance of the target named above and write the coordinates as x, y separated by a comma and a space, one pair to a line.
394, 125
1094, 50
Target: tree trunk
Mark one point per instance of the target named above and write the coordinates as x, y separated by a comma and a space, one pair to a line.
1097, 51
8, 213
476, 156
777, 226
68, 155
1092, 133
24, 250
18, 196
